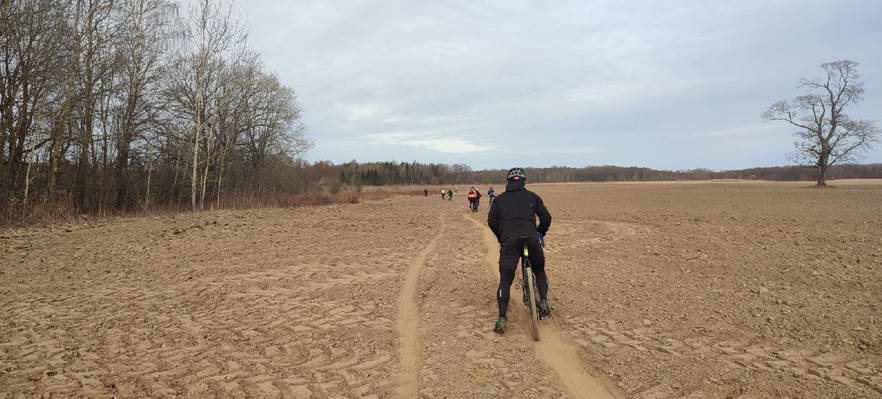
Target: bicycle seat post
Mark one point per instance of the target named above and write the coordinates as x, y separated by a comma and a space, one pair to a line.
522, 241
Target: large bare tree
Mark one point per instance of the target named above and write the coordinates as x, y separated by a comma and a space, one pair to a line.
827, 135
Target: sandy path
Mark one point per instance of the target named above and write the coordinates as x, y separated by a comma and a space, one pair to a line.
460, 355
552, 349
408, 320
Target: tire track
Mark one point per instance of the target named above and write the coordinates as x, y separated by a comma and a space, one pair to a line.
408, 320
756, 356
552, 349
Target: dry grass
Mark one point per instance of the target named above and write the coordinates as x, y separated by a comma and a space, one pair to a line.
64, 210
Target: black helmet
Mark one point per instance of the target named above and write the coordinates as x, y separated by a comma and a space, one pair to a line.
516, 174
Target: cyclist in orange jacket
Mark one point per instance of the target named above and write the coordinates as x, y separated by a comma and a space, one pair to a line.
474, 199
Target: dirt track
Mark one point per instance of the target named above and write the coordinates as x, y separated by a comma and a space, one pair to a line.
660, 291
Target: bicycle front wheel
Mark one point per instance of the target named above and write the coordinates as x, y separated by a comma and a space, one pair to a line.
531, 295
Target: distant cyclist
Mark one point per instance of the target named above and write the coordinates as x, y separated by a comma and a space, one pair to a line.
474, 199
491, 194
513, 220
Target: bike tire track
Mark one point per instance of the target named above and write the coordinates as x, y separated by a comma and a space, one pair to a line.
559, 355
409, 318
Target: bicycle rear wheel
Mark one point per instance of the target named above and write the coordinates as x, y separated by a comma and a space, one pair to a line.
531, 294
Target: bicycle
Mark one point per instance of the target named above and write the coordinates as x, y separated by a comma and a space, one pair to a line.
531, 292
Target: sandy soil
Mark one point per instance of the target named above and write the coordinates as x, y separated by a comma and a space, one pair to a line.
722, 289
661, 290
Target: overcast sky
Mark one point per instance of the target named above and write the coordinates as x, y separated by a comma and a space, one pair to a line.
664, 84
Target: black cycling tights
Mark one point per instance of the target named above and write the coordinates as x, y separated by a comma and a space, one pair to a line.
507, 276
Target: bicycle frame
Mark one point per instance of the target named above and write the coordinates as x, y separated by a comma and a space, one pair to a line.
530, 294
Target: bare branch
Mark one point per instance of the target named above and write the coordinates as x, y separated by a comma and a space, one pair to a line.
781, 111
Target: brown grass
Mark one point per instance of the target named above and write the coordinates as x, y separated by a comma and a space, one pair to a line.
64, 210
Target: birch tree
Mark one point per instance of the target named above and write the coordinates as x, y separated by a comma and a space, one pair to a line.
214, 31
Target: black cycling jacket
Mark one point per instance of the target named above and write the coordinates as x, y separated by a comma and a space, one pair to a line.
514, 212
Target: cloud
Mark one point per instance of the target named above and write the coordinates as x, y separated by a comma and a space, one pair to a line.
645, 82
358, 112
574, 150
449, 145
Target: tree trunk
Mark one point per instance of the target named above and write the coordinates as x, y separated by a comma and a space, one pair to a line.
147, 195
204, 183
194, 181
27, 186
220, 178
123, 144
175, 193
122, 175
16, 139
57, 152
823, 164
82, 179
205, 171
255, 187
2, 155
90, 47
82, 172
55, 155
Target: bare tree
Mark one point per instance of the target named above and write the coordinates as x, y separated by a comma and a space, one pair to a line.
147, 33
233, 115
109, 103
828, 136
31, 54
92, 38
274, 127
214, 32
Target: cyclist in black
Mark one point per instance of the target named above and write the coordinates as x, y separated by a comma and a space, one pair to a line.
513, 220
491, 194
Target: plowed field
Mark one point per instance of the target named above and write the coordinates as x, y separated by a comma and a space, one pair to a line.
660, 290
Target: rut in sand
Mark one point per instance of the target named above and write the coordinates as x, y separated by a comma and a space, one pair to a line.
409, 318
559, 355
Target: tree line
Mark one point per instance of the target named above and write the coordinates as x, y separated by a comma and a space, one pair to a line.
113, 105
391, 173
